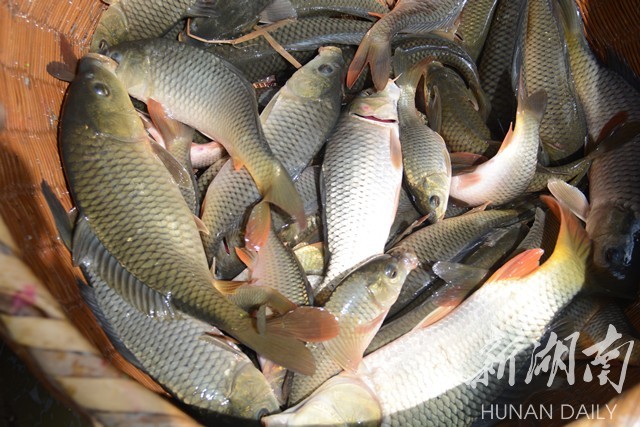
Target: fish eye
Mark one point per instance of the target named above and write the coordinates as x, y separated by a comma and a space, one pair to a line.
434, 201
103, 47
325, 69
391, 271
612, 255
101, 89
262, 413
116, 56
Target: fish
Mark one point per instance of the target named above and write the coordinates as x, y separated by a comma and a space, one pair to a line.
177, 139
208, 175
426, 163
133, 226
221, 104
291, 234
296, 123
271, 263
408, 16
463, 128
361, 180
563, 130
360, 303
367, 9
449, 54
406, 216
508, 173
495, 65
257, 59
496, 326
230, 19
475, 20
443, 241
442, 296
614, 216
127, 20
231, 384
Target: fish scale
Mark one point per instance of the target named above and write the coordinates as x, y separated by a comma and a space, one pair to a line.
176, 355
441, 242
148, 245
563, 129
613, 178
475, 20
216, 100
296, 128
360, 182
495, 64
463, 129
126, 20
409, 16
441, 368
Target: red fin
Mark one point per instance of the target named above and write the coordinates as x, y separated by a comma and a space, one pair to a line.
227, 287
311, 324
437, 314
519, 266
614, 123
347, 349
572, 237
281, 192
377, 54
247, 256
258, 226
376, 15
169, 128
237, 163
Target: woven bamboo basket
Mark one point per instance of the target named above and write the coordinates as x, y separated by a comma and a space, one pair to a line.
37, 280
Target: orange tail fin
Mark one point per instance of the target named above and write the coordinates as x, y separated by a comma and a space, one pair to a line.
376, 53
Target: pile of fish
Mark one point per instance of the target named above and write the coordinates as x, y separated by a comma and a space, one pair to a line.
325, 212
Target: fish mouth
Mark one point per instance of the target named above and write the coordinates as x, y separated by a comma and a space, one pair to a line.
376, 119
103, 61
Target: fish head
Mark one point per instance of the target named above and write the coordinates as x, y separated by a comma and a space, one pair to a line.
320, 78
111, 30
134, 67
615, 232
381, 107
435, 195
387, 275
250, 396
97, 101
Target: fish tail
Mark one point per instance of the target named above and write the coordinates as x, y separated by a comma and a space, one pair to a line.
567, 14
281, 193
407, 73
375, 52
572, 237
533, 105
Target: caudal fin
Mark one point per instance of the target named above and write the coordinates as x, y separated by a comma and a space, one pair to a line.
376, 53
281, 192
572, 237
